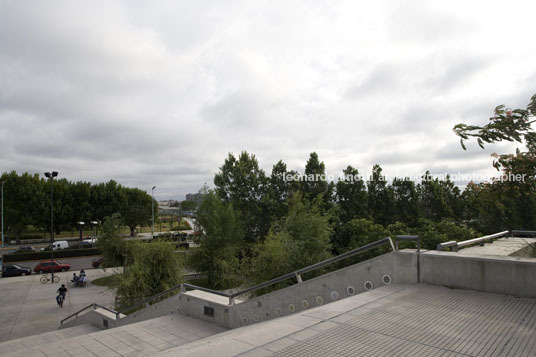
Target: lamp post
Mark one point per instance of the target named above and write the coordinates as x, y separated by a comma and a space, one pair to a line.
81, 230
152, 209
94, 224
50, 176
2, 214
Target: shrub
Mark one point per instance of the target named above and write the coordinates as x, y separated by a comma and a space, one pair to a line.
62, 253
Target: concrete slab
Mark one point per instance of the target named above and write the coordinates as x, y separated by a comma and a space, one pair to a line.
501, 247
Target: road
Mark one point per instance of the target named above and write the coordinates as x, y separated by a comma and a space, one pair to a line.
76, 263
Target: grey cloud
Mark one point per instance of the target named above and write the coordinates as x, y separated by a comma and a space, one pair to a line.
159, 94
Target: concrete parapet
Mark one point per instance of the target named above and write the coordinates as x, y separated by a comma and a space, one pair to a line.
504, 275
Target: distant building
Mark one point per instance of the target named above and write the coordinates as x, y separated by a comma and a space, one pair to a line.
194, 197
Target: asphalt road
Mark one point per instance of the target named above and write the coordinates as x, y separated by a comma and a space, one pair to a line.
76, 263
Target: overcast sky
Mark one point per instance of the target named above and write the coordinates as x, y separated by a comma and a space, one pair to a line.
159, 92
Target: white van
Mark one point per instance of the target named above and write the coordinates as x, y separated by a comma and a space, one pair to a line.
60, 244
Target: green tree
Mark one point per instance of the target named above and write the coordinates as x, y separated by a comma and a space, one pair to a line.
351, 195
80, 193
515, 192
302, 239
111, 243
281, 186
380, 197
432, 233
24, 202
188, 205
153, 268
136, 209
406, 201
218, 253
242, 183
439, 199
315, 182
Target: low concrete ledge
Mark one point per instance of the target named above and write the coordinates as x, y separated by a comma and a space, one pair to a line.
504, 275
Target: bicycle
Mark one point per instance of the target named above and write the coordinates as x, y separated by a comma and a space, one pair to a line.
45, 279
59, 299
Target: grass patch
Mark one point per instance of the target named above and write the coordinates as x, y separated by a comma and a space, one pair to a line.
202, 282
107, 281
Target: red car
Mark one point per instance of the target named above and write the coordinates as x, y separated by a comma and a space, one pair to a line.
97, 262
47, 266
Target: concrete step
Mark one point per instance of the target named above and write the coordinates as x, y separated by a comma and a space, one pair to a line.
29, 342
137, 339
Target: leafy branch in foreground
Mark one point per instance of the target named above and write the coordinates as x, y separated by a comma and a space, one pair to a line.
507, 124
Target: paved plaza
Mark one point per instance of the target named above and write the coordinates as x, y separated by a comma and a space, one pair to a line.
28, 307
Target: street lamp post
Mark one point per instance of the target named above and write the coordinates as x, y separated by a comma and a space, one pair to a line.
81, 230
94, 224
50, 176
152, 209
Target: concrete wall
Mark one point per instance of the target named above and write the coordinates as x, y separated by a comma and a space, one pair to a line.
99, 318
504, 275
193, 303
399, 267
104, 319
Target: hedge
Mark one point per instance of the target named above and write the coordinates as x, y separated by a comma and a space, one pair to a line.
60, 253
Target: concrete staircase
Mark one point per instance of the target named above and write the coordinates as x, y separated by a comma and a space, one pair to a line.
137, 339
29, 342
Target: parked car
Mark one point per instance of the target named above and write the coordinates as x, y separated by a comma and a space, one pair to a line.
15, 270
59, 244
88, 242
24, 250
85, 244
97, 262
47, 266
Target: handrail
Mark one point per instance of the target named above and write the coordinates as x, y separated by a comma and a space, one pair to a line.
152, 298
409, 238
296, 274
454, 246
94, 306
517, 232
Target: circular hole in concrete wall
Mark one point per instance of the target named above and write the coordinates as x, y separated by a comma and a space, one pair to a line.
291, 308
245, 320
368, 285
279, 311
319, 300
267, 314
255, 317
350, 290
386, 279
305, 304
334, 295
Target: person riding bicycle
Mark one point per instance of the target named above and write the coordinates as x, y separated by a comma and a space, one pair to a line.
61, 295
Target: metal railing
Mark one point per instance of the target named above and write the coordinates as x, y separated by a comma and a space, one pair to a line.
410, 239
297, 274
231, 296
523, 233
454, 246
94, 306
